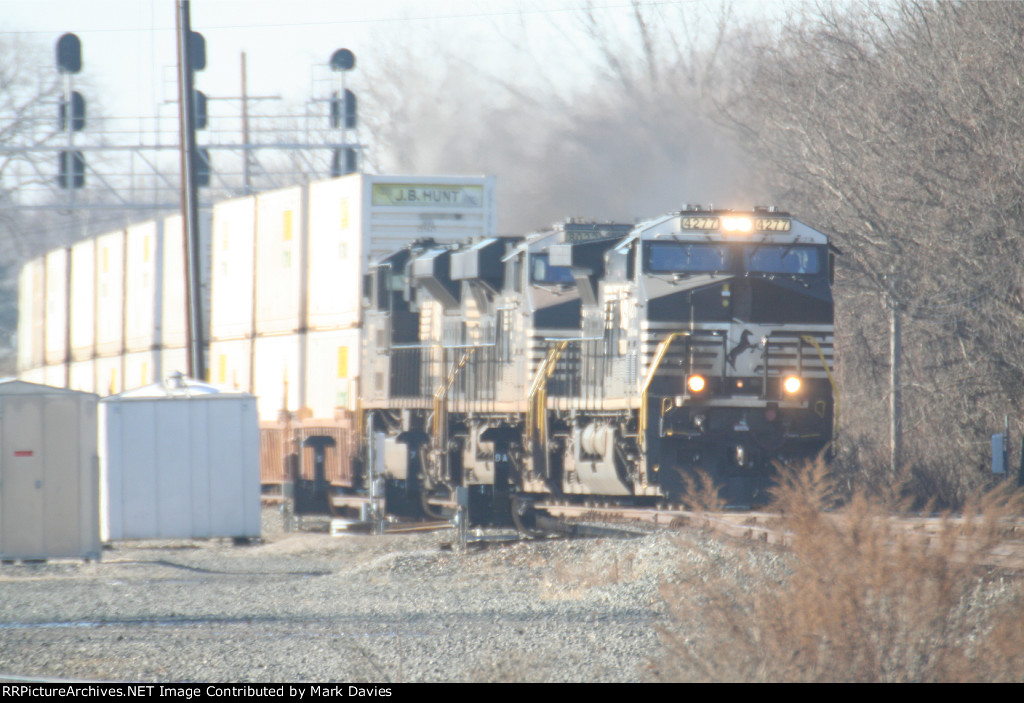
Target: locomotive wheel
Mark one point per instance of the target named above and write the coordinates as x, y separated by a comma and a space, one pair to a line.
524, 517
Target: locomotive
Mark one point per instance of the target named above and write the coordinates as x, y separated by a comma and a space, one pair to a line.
598, 359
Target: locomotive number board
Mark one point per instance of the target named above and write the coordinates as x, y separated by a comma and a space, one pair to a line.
759, 224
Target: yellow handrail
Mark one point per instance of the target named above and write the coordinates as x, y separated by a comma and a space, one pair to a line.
659, 356
442, 392
536, 400
835, 391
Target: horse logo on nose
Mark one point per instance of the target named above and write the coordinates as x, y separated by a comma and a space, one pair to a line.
743, 346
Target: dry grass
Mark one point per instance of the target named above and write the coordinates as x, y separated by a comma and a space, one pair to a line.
860, 599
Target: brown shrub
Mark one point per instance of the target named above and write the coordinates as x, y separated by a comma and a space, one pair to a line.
861, 598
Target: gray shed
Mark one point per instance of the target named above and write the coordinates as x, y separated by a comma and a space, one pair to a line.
179, 460
49, 479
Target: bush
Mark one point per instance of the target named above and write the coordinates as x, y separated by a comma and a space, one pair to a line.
861, 598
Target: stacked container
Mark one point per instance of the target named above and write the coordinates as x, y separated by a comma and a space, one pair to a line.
32, 316
82, 317
109, 312
288, 271
282, 285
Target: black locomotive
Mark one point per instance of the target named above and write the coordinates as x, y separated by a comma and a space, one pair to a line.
598, 360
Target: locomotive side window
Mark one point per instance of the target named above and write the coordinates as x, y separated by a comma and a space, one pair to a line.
675, 257
784, 258
543, 272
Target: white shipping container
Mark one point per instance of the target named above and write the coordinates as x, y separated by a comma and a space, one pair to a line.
230, 364
335, 253
399, 209
55, 375
173, 329
142, 368
142, 286
280, 261
110, 293
234, 247
332, 372
355, 219
278, 374
173, 361
56, 307
179, 460
109, 375
31, 315
36, 375
83, 300
49, 505
82, 376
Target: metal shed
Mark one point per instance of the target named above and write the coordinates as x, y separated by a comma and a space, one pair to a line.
179, 460
49, 481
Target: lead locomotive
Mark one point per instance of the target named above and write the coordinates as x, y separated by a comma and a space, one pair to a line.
599, 360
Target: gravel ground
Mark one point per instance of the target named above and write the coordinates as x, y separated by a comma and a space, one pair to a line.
310, 607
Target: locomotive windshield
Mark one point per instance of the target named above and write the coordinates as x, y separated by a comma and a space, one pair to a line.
543, 272
784, 258
676, 257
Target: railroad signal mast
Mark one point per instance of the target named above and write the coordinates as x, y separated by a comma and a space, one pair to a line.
103, 180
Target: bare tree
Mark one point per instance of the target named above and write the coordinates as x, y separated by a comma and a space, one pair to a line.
633, 138
899, 130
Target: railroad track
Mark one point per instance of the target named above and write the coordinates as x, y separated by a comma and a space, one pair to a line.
769, 528
576, 520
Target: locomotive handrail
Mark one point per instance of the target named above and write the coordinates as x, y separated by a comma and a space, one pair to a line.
435, 345
536, 399
659, 355
835, 391
442, 390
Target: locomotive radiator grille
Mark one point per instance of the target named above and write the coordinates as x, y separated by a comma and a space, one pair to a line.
791, 353
707, 352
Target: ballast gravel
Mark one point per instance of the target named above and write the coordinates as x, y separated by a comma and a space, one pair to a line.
308, 607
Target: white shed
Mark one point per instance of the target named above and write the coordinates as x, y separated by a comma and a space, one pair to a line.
49, 482
179, 460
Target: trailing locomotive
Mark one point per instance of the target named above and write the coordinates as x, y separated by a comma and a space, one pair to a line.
599, 360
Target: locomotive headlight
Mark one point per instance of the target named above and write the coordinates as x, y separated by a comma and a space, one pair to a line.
791, 384
737, 224
696, 384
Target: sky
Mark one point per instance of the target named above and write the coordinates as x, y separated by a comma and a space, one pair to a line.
129, 56
129, 53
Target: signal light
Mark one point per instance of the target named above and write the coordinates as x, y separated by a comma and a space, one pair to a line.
199, 98
204, 167
344, 161
71, 169
197, 50
77, 119
343, 109
69, 53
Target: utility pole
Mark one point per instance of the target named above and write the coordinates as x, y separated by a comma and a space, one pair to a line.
895, 404
246, 177
189, 199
